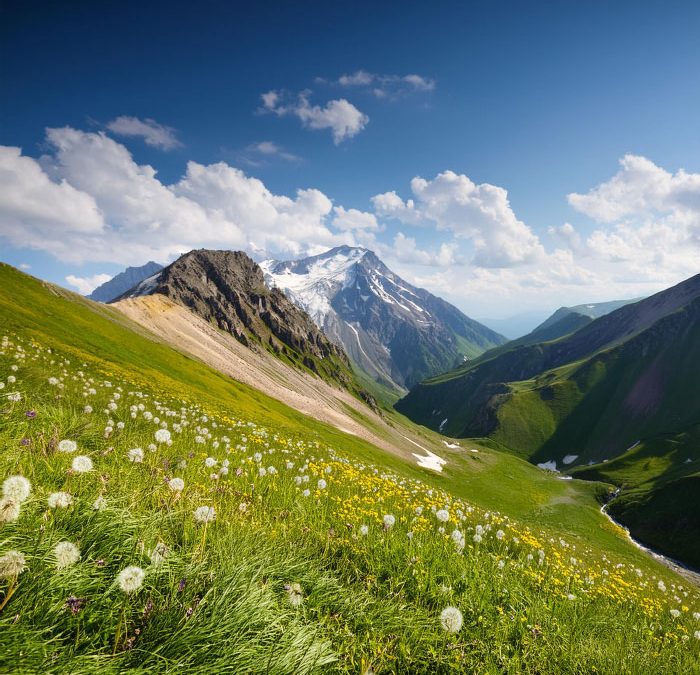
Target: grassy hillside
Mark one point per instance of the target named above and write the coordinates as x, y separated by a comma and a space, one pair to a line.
320, 553
641, 387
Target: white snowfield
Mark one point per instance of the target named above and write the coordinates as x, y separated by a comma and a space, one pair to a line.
321, 280
428, 461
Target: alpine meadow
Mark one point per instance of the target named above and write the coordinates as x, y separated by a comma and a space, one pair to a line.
359, 340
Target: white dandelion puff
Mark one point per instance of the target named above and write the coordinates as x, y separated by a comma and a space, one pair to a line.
322, 485
59, 500
176, 484
389, 521
67, 554
67, 445
500, 534
364, 530
17, 488
443, 515
100, 504
82, 464
451, 620
12, 564
131, 579
135, 455
162, 436
9, 510
204, 514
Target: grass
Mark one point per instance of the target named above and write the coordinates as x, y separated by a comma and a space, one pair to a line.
220, 597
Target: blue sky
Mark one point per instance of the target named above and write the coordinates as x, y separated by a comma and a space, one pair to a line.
524, 103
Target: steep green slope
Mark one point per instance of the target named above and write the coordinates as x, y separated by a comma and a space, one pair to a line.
284, 578
641, 386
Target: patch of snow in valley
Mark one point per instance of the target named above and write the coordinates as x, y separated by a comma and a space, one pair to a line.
569, 459
551, 465
442, 424
428, 461
451, 445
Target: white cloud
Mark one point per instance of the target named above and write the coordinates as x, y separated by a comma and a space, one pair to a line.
87, 285
405, 250
36, 212
25, 266
480, 213
640, 188
651, 219
340, 116
154, 134
352, 219
89, 200
257, 154
387, 86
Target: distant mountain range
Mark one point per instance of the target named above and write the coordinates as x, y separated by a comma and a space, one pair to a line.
395, 333
123, 281
591, 311
615, 398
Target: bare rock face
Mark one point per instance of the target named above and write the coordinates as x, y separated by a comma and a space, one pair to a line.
227, 289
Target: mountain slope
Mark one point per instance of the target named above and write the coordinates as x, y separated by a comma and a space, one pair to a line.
227, 289
122, 282
396, 333
591, 310
217, 596
586, 398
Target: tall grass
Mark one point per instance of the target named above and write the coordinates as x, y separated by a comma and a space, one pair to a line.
221, 596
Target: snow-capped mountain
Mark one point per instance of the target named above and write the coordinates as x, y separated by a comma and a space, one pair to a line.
396, 333
123, 281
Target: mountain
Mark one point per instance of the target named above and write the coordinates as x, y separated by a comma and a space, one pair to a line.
395, 333
227, 289
618, 394
122, 282
592, 311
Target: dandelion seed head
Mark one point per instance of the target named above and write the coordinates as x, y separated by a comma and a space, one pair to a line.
162, 436
204, 514
451, 620
67, 554
176, 484
135, 455
443, 515
17, 488
59, 500
82, 464
131, 579
9, 510
12, 564
67, 445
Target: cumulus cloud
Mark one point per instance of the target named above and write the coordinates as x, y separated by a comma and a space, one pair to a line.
154, 134
87, 285
340, 116
405, 250
480, 213
387, 86
352, 219
650, 218
36, 212
88, 200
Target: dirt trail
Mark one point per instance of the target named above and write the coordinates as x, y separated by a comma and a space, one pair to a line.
310, 395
